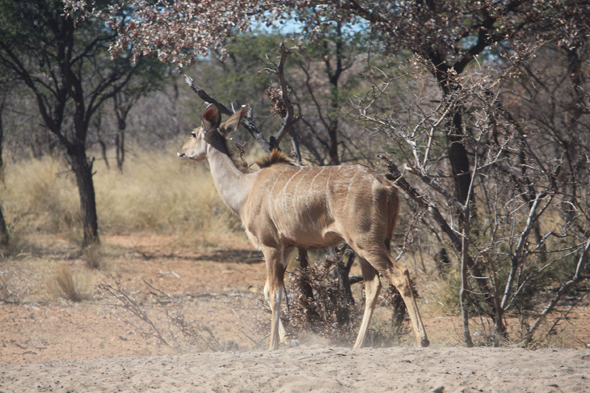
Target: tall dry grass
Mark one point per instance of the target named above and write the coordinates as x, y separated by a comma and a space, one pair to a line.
159, 192
156, 193
39, 196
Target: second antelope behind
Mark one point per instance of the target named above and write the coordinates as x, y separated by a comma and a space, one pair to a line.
283, 206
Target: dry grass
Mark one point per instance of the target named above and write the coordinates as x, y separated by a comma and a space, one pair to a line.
93, 257
156, 193
71, 285
39, 196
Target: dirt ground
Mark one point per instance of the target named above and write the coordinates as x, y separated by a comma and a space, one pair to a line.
48, 344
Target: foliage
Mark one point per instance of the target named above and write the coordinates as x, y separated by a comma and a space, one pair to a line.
454, 31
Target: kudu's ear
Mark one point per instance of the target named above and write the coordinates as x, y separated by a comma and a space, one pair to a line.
233, 122
211, 118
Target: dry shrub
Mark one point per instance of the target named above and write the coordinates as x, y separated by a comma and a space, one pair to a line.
13, 289
70, 285
196, 336
331, 314
327, 313
178, 333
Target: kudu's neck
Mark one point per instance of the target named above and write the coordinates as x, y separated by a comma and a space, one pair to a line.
233, 185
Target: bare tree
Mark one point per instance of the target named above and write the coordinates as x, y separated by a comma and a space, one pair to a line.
516, 175
65, 65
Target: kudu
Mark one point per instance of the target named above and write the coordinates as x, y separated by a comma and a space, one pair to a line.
283, 206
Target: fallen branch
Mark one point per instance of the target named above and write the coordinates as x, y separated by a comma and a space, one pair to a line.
158, 290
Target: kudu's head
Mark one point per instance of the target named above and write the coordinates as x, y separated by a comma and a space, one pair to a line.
196, 146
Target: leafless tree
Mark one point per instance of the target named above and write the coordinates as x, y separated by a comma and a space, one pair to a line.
517, 185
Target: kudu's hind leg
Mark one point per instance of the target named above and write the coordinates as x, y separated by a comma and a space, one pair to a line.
400, 278
384, 263
372, 288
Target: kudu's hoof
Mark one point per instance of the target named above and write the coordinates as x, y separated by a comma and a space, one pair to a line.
424, 343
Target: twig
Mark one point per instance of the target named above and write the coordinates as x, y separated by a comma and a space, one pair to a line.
131, 305
158, 290
240, 148
259, 342
563, 317
250, 338
206, 97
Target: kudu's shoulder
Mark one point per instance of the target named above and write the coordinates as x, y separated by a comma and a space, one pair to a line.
275, 157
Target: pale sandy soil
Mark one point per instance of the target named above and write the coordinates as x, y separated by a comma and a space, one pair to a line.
313, 368
93, 346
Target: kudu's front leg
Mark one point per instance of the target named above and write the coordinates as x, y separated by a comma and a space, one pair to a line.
372, 288
275, 271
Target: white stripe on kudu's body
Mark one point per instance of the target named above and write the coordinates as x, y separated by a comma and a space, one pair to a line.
323, 207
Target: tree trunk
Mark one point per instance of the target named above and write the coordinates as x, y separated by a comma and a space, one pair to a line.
82, 169
3, 230
344, 279
120, 144
122, 106
2, 105
306, 289
334, 111
333, 146
458, 157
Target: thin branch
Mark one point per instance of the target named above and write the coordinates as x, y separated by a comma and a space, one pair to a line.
206, 97
516, 261
247, 121
290, 119
564, 289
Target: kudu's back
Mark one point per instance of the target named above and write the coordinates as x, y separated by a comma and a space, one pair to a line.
318, 207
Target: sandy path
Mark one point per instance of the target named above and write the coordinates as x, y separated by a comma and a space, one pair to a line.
314, 368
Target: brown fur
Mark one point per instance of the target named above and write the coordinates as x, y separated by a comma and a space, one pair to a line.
275, 157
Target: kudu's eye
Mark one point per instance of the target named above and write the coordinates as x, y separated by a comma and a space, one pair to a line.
193, 134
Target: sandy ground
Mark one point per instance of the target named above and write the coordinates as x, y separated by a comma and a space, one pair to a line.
51, 345
314, 369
